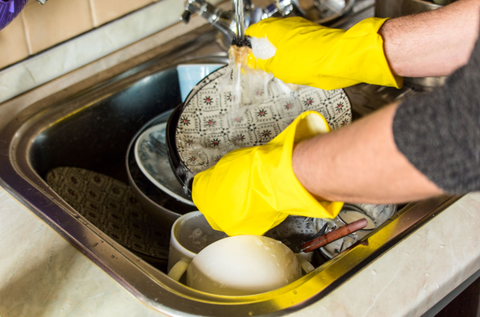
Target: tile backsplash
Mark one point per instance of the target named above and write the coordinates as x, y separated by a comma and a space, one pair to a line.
39, 27
55, 22
104, 11
77, 52
13, 42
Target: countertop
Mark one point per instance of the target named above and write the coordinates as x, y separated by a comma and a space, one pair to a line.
41, 274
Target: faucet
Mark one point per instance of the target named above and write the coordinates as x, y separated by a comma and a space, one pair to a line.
224, 20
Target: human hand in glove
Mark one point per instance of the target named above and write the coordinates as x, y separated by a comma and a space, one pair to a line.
314, 55
251, 190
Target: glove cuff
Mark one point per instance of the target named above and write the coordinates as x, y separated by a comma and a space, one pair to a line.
358, 56
307, 125
387, 77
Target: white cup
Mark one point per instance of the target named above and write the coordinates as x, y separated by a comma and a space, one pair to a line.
243, 265
190, 234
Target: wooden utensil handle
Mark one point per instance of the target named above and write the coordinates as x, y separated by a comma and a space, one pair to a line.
334, 235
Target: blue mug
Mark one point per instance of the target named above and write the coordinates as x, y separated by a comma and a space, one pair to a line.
189, 75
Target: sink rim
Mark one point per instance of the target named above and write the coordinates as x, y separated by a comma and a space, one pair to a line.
18, 177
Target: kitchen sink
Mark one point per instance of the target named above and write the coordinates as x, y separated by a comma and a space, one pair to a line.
92, 130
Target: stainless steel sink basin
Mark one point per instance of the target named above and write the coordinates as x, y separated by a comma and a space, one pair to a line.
92, 130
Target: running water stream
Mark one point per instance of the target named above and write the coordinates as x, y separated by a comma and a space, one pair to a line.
248, 86
238, 55
245, 88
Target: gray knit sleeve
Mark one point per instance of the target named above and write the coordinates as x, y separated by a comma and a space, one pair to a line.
439, 132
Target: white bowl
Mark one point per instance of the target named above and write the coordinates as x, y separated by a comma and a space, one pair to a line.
243, 265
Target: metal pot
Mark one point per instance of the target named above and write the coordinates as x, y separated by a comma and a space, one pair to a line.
398, 8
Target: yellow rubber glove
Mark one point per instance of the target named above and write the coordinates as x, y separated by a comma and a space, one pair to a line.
251, 190
314, 55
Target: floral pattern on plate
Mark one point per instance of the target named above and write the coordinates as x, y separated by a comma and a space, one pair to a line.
208, 128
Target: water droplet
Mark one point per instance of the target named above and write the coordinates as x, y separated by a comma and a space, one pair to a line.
295, 292
258, 241
427, 274
442, 246
374, 272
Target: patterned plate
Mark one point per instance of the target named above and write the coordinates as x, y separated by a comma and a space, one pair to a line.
111, 207
206, 129
156, 166
378, 213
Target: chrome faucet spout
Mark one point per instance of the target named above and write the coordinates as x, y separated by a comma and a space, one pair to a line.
224, 20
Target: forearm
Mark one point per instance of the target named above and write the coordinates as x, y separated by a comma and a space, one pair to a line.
360, 163
432, 43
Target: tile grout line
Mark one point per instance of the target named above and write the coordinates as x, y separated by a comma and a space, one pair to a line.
25, 31
92, 13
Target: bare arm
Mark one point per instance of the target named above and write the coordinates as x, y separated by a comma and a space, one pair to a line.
432, 43
360, 163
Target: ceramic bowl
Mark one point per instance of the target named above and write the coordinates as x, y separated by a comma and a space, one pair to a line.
202, 130
332, 10
243, 265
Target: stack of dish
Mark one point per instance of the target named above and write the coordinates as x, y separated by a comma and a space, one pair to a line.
193, 136
149, 172
170, 149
